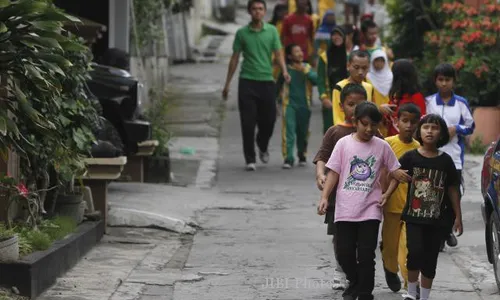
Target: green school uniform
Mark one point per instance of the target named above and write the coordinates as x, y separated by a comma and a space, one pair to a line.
296, 111
324, 90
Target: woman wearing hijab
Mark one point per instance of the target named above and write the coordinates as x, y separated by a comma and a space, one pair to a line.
380, 76
332, 68
322, 38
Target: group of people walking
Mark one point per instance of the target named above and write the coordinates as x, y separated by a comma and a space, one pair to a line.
388, 155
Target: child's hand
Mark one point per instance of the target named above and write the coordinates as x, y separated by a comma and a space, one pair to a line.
401, 176
387, 109
323, 205
458, 227
452, 130
327, 103
383, 200
320, 181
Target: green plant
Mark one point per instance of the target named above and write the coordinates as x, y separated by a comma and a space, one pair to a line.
477, 147
6, 233
470, 41
59, 227
410, 20
157, 114
45, 117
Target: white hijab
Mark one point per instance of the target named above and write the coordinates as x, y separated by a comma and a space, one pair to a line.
381, 80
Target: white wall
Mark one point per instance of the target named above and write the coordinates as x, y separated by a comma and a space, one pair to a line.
119, 24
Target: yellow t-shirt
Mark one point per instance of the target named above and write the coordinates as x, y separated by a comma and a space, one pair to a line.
397, 201
338, 113
380, 99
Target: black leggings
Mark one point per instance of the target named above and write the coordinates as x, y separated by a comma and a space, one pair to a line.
423, 242
356, 245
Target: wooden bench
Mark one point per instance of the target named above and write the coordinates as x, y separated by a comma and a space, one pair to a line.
100, 171
134, 170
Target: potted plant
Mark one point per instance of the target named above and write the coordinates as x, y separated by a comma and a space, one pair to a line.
470, 40
9, 246
157, 167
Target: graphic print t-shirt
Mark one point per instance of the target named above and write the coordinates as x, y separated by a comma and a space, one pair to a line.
427, 192
298, 29
359, 165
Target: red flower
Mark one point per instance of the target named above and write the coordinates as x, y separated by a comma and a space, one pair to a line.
23, 191
460, 45
460, 63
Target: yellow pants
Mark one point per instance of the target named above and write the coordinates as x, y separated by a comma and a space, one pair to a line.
394, 249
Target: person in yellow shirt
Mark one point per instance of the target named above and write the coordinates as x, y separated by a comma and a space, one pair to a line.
279, 13
394, 250
380, 76
357, 66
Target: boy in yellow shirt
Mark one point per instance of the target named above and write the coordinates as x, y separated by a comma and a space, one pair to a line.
393, 246
358, 66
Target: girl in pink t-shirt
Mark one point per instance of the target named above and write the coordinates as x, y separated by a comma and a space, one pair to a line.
356, 164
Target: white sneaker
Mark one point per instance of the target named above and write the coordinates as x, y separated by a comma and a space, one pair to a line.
251, 167
339, 280
302, 164
287, 166
264, 157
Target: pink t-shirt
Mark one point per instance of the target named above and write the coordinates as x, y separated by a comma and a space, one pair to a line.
359, 165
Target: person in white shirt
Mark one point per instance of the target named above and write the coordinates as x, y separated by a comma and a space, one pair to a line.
455, 110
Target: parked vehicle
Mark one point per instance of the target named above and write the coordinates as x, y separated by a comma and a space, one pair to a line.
490, 188
120, 97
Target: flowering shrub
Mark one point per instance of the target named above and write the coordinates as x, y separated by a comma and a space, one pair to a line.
470, 40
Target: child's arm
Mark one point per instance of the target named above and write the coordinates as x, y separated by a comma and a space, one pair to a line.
312, 76
468, 122
457, 209
331, 181
324, 153
322, 86
388, 193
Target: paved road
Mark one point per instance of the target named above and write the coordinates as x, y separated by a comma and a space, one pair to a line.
281, 251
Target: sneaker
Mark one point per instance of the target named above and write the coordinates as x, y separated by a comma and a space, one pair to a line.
339, 281
251, 167
393, 281
302, 163
287, 165
264, 157
349, 293
442, 246
408, 297
452, 241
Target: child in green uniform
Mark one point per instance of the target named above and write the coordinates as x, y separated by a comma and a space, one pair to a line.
296, 102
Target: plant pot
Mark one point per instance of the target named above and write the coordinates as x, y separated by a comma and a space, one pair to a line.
9, 249
487, 121
157, 169
71, 205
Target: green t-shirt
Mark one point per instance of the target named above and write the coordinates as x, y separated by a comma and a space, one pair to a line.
257, 48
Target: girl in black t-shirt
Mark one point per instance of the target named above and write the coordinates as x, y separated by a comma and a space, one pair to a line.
434, 183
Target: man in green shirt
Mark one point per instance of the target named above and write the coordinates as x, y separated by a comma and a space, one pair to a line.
257, 42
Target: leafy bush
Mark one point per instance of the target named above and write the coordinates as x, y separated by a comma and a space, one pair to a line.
410, 20
470, 41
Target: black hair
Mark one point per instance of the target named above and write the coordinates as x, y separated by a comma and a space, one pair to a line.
446, 70
251, 2
350, 28
352, 88
367, 24
278, 8
309, 7
410, 108
405, 79
288, 52
360, 54
336, 60
434, 119
368, 109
